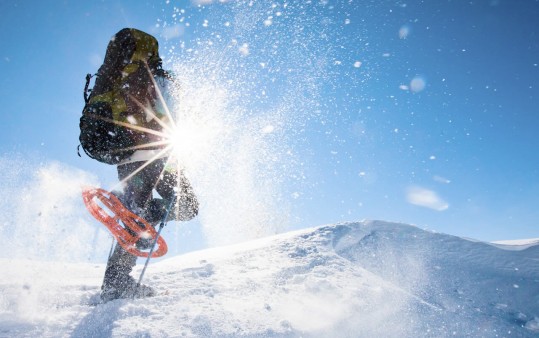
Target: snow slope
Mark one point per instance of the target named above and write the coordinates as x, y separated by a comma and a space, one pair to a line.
366, 279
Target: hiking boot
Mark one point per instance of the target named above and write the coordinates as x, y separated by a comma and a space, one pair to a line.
140, 291
131, 290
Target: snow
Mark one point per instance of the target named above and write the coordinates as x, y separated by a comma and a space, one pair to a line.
518, 244
365, 279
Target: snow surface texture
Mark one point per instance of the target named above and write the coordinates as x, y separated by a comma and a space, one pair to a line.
367, 279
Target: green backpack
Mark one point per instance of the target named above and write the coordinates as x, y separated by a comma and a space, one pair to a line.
123, 83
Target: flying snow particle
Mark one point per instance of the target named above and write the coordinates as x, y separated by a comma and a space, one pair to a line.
404, 87
441, 179
347, 21
417, 84
172, 32
404, 31
268, 21
432, 157
131, 119
268, 129
357, 64
244, 49
425, 198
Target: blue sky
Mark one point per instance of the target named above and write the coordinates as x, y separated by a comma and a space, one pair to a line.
412, 111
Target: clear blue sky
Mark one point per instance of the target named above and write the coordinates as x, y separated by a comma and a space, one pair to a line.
424, 112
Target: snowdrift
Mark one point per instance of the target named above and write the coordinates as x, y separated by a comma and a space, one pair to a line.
366, 279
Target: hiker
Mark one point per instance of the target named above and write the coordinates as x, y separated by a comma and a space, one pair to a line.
122, 124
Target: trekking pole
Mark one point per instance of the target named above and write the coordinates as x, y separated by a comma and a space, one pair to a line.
112, 246
161, 226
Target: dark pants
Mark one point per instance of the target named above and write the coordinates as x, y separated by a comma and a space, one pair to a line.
138, 197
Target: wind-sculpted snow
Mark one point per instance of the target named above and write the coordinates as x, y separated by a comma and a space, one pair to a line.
463, 279
367, 279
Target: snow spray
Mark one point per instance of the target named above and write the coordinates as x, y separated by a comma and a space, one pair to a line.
245, 89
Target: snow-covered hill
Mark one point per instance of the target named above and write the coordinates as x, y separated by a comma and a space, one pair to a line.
367, 279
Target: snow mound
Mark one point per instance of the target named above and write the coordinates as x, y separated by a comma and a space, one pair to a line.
366, 279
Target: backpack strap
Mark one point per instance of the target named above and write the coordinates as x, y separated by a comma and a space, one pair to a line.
145, 155
86, 90
86, 99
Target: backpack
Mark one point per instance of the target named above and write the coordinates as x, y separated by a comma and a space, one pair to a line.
123, 82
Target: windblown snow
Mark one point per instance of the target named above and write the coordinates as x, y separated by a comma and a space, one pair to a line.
365, 279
